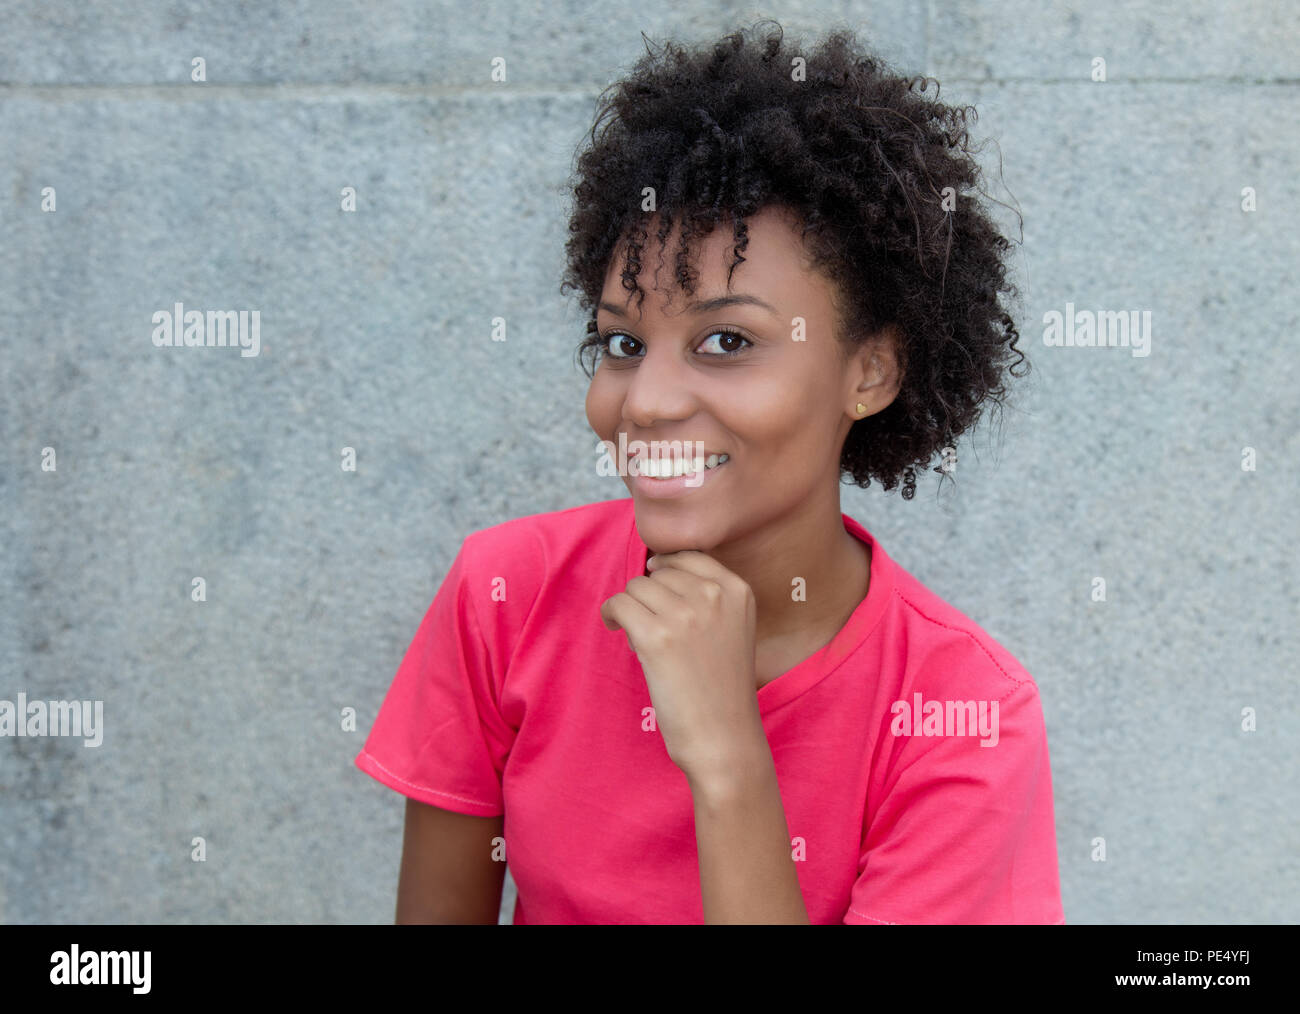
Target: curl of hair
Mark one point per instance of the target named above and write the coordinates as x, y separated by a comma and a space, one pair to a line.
882, 178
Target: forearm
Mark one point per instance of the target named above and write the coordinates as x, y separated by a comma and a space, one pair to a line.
746, 872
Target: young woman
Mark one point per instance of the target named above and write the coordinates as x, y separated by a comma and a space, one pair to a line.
719, 699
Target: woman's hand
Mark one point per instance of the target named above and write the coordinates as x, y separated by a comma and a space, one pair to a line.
691, 624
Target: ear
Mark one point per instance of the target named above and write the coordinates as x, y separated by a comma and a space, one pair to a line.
878, 371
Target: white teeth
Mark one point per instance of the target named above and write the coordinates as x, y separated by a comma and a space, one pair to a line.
662, 468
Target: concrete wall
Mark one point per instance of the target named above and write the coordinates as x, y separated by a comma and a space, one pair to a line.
222, 717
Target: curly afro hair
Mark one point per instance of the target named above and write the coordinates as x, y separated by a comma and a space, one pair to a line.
881, 178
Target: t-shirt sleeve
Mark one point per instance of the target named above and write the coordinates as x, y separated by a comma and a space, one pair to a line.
965, 833
439, 736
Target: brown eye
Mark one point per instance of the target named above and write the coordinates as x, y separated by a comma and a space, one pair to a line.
730, 345
614, 340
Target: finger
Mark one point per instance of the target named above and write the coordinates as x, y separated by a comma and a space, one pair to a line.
655, 595
679, 581
692, 561
626, 613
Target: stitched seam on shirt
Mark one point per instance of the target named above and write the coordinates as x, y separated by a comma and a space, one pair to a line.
939, 623
424, 788
864, 915
514, 648
851, 653
497, 692
1055, 922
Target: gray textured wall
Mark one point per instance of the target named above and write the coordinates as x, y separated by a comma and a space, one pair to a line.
222, 717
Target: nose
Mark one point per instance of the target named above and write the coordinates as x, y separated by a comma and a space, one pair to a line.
660, 388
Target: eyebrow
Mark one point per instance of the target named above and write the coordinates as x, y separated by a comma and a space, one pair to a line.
707, 305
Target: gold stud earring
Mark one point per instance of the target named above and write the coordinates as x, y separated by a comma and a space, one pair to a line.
861, 408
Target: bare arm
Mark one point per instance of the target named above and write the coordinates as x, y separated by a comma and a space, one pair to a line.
746, 872
448, 875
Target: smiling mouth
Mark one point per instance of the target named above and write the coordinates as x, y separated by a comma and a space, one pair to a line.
665, 468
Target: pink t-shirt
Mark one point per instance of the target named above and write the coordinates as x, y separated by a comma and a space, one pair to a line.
910, 751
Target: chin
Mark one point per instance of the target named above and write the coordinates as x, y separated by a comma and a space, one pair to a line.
668, 529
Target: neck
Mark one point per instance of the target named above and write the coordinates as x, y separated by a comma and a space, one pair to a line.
809, 543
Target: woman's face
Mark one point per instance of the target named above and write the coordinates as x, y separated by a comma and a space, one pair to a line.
779, 405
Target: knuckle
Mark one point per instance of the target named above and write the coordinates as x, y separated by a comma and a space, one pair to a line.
656, 638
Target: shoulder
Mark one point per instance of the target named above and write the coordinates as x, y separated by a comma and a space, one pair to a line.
948, 652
